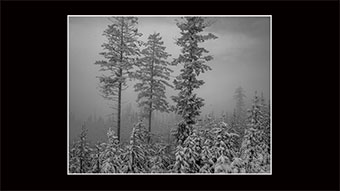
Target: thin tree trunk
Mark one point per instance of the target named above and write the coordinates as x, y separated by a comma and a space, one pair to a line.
119, 106
150, 115
151, 87
120, 83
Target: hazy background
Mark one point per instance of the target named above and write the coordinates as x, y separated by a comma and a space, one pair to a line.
241, 58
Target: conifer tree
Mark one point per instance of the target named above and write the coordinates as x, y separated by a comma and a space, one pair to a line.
153, 74
255, 147
137, 153
188, 154
240, 114
121, 50
110, 157
265, 120
239, 95
239, 109
188, 104
96, 157
80, 154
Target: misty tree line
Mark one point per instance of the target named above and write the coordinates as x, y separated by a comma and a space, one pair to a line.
98, 125
210, 145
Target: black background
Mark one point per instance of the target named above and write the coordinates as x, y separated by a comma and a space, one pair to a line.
305, 91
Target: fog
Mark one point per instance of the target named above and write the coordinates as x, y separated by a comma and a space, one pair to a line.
241, 58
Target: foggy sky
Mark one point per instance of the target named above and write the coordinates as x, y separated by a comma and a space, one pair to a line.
241, 58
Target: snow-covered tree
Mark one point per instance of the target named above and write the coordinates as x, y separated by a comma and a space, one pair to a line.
96, 157
160, 158
80, 154
121, 51
188, 154
137, 154
223, 165
255, 146
225, 140
153, 74
265, 109
192, 57
111, 156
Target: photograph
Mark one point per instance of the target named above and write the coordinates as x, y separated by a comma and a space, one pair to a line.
169, 95
107, 95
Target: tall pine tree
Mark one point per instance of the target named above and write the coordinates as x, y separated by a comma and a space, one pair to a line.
153, 74
121, 50
188, 104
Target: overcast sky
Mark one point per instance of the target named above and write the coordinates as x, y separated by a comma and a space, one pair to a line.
241, 58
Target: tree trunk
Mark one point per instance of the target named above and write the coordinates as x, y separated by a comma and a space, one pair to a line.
120, 83
150, 114
151, 86
119, 105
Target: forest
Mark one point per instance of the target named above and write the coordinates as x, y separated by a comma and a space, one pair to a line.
185, 141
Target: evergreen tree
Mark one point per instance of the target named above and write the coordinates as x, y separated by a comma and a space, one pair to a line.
188, 104
80, 154
111, 156
239, 95
121, 50
137, 153
160, 159
153, 74
255, 147
234, 122
188, 154
240, 115
96, 157
239, 109
265, 110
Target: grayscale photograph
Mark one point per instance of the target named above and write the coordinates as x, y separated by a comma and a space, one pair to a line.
169, 94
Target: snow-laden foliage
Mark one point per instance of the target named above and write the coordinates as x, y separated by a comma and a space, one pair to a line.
204, 149
210, 148
160, 158
120, 52
97, 160
219, 146
192, 57
256, 143
136, 155
153, 75
187, 154
110, 158
80, 154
